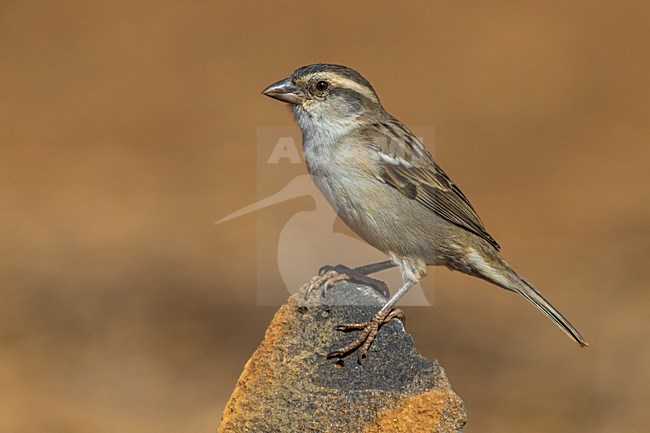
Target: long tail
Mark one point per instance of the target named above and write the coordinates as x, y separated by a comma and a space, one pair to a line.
498, 272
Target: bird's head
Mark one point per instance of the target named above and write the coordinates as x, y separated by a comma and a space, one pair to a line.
327, 98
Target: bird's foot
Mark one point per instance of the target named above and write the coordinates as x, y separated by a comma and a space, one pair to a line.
369, 331
357, 275
324, 281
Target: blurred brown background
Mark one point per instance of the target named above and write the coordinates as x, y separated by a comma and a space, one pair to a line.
129, 127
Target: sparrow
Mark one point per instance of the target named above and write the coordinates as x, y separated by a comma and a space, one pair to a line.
385, 185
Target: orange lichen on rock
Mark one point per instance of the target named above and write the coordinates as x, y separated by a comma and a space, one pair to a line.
421, 414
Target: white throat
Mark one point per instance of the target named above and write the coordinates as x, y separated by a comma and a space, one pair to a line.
321, 130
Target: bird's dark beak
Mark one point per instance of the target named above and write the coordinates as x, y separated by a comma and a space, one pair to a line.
285, 91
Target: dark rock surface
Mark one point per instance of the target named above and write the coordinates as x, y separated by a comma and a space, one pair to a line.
289, 385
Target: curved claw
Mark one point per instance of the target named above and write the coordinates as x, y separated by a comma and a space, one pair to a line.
324, 281
333, 279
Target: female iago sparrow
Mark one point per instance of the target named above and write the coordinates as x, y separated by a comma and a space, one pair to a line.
387, 187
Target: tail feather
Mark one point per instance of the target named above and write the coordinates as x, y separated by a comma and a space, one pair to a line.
545, 307
500, 273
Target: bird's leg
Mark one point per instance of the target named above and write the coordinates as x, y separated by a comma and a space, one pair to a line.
359, 270
328, 275
370, 329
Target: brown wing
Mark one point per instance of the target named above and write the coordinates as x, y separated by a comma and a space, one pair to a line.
408, 167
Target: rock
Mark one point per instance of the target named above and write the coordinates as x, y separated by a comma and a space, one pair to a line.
289, 385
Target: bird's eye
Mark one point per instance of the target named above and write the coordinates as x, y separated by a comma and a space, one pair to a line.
322, 86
